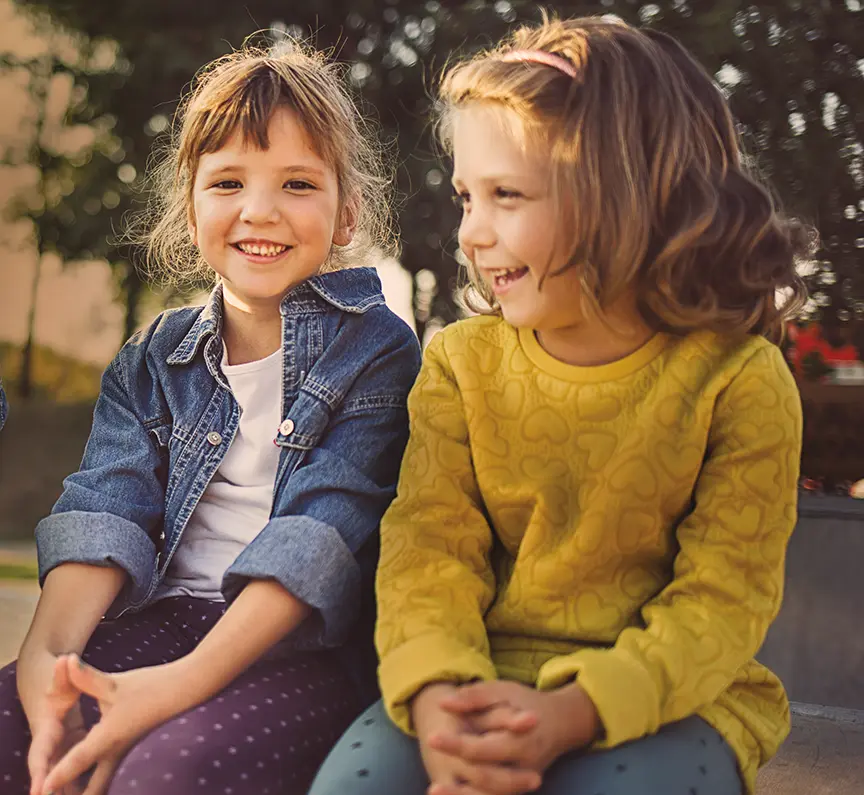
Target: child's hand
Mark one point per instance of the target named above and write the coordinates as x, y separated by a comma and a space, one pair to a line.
564, 720
449, 773
131, 703
57, 727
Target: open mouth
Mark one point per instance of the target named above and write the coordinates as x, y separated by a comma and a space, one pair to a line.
506, 276
261, 249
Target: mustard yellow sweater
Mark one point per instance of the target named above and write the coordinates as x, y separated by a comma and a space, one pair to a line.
624, 524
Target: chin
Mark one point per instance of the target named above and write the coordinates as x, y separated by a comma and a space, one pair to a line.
519, 319
262, 296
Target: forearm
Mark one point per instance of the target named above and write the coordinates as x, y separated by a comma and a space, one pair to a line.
261, 615
72, 603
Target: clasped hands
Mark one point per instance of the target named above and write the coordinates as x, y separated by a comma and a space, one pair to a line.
131, 704
498, 738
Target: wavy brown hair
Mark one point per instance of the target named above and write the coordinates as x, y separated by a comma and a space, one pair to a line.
647, 156
241, 91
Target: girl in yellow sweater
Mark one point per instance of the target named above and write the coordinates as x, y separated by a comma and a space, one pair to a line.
587, 545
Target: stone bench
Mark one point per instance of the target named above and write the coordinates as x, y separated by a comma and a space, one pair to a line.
824, 755
816, 646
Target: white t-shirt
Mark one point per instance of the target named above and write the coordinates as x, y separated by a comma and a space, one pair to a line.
236, 504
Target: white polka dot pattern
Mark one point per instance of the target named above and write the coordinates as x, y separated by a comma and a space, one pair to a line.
237, 744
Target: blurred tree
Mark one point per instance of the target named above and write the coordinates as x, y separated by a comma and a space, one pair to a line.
72, 197
50, 145
792, 70
38, 73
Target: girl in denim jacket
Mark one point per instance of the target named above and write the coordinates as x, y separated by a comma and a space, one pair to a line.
207, 572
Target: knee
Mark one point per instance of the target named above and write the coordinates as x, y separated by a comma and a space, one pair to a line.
372, 758
184, 756
341, 774
169, 769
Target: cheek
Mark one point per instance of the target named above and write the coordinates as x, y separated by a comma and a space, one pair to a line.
211, 219
531, 236
463, 243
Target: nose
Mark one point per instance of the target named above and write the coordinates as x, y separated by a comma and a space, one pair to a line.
477, 229
259, 207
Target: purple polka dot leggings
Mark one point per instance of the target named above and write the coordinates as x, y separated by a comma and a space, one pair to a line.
267, 732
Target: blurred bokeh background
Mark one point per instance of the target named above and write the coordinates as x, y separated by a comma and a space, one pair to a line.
88, 89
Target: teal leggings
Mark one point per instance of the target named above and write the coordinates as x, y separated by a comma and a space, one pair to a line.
687, 758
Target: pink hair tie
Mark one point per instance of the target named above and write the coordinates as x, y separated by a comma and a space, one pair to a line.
541, 57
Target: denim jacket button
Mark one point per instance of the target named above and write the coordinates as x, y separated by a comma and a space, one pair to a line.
214, 438
287, 427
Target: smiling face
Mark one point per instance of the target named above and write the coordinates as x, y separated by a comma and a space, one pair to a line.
265, 219
510, 226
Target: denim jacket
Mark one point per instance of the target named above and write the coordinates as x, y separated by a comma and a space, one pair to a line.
166, 416
4, 407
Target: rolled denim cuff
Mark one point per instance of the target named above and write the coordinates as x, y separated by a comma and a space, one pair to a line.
312, 562
98, 539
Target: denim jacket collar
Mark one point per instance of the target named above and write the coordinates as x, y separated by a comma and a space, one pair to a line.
354, 290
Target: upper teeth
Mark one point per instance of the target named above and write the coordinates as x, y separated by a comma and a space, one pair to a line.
504, 271
267, 249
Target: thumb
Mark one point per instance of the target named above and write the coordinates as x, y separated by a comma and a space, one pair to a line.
90, 680
62, 694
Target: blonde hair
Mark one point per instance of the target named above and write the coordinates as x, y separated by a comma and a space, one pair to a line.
241, 91
645, 148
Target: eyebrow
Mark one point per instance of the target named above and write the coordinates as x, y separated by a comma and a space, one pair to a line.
495, 178
230, 168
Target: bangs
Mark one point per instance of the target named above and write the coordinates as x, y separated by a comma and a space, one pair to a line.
244, 104
247, 110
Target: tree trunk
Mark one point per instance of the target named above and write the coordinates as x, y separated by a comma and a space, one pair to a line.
25, 379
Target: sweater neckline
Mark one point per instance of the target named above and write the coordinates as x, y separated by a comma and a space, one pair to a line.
591, 374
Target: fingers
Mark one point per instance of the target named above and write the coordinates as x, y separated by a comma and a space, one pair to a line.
499, 747
489, 780
101, 777
478, 697
453, 789
95, 747
90, 680
42, 748
504, 718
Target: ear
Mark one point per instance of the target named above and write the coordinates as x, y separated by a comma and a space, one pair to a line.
192, 228
347, 225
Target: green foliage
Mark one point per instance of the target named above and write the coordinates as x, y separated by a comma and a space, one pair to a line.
790, 67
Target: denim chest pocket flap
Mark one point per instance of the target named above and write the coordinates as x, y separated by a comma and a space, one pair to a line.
305, 423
